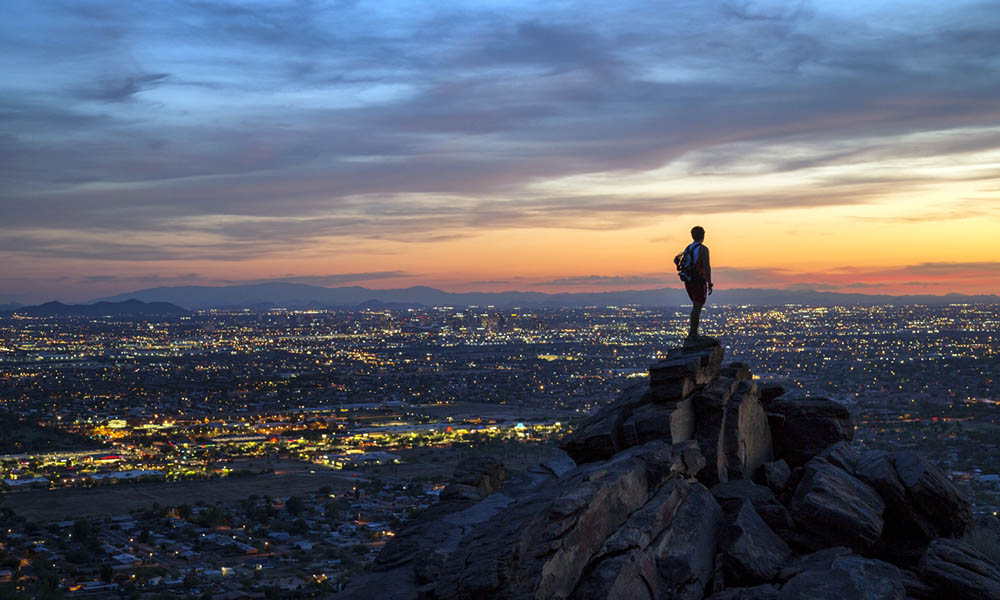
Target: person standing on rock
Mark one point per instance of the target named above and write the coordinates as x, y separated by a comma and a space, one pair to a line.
695, 270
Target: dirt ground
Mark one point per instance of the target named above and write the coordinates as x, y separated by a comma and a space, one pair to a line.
291, 477
67, 504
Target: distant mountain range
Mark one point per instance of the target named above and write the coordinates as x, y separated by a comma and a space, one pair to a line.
263, 296
127, 308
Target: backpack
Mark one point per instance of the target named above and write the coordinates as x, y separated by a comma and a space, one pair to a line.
685, 262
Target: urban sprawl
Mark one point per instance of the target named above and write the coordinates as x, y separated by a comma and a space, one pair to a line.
238, 454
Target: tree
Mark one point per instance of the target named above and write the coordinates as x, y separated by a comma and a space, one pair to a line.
107, 573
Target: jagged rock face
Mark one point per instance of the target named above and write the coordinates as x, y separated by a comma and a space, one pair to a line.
959, 571
837, 508
804, 427
543, 546
753, 553
939, 509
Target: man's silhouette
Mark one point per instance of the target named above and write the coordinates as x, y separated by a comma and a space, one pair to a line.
700, 284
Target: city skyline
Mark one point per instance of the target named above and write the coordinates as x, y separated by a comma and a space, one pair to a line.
503, 146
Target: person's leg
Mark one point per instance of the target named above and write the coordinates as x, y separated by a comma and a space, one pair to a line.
695, 318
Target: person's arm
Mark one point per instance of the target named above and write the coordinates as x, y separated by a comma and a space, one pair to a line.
708, 269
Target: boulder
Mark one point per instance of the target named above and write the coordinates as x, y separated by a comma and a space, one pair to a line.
804, 427
836, 508
958, 571
841, 455
939, 509
752, 552
697, 363
875, 468
842, 577
902, 540
775, 475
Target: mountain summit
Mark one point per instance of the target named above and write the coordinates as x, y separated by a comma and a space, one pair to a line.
699, 483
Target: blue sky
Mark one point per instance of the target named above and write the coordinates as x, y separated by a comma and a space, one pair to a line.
174, 140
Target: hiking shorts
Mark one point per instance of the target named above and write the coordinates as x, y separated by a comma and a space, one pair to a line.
697, 290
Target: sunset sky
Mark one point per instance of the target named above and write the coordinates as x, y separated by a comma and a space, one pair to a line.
556, 146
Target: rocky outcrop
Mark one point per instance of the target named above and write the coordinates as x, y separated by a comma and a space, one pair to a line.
700, 483
837, 508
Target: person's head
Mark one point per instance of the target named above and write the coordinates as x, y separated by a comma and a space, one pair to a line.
698, 233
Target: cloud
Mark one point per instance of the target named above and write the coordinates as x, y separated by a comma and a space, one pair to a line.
225, 131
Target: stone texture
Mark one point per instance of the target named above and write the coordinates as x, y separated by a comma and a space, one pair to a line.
656, 421
939, 509
710, 411
775, 475
841, 455
917, 588
597, 438
837, 508
732, 494
959, 572
875, 468
846, 577
757, 592
804, 427
746, 437
625, 567
753, 553
699, 362
632, 419
673, 534
685, 552
540, 545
